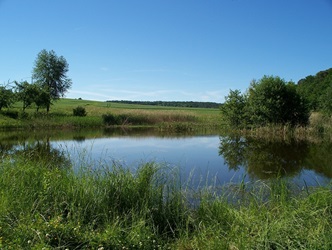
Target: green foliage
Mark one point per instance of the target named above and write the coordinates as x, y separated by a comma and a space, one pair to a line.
325, 100
234, 109
270, 100
109, 119
317, 90
28, 93
7, 97
11, 113
79, 111
50, 72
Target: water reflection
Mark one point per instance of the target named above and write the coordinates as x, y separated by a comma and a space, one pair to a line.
39, 151
224, 158
43, 153
263, 159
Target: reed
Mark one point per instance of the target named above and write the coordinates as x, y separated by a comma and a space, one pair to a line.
46, 204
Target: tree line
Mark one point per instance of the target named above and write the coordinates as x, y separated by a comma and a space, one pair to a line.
50, 83
317, 90
183, 104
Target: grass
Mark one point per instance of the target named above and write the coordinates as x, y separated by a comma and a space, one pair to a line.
319, 129
61, 115
45, 205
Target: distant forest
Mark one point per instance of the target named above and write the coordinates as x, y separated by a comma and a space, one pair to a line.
189, 104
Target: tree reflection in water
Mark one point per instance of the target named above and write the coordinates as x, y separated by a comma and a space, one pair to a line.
42, 152
263, 159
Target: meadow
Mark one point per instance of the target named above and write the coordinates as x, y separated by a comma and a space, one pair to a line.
46, 205
61, 115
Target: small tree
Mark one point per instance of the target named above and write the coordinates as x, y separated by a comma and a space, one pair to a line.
27, 93
234, 109
43, 99
7, 97
272, 100
50, 73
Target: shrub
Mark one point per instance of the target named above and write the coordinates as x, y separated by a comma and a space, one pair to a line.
79, 111
109, 119
270, 100
11, 113
233, 110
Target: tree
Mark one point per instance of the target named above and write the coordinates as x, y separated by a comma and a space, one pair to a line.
43, 99
50, 73
325, 101
314, 89
270, 100
7, 97
26, 93
233, 110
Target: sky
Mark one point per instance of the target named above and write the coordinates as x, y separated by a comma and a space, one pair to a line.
168, 50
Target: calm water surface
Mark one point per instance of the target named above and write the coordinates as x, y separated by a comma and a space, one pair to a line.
206, 158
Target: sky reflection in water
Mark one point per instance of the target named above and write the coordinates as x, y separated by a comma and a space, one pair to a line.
202, 157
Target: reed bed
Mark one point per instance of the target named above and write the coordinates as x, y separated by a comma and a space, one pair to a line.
44, 204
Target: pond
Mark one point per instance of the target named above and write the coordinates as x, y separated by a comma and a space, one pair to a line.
205, 158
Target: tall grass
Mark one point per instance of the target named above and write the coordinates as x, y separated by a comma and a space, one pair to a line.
45, 204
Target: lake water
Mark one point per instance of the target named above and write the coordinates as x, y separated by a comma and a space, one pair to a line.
202, 158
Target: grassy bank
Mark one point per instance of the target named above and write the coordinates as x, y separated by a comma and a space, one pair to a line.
318, 129
45, 205
61, 115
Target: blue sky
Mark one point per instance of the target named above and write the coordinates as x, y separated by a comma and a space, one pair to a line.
172, 50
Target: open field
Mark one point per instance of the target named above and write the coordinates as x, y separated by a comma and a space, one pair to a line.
61, 115
45, 205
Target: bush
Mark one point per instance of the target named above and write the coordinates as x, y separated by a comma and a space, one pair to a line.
233, 110
11, 114
79, 111
270, 100
109, 119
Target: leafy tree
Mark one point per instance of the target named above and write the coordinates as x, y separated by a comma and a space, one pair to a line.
27, 93
50, 72
7, 97
272, 100
314, 89
43, 99
325, 101
233, 110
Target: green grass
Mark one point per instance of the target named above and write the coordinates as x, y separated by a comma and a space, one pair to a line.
45, 204
61, 115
